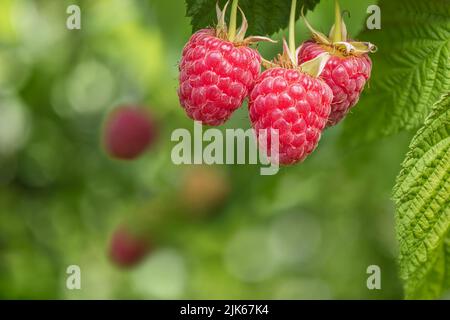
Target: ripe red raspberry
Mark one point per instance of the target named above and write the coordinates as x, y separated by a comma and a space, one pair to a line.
346, 76
348, 68
126, 249
218, 70
203, 190
215, 77
296, 104
128, 132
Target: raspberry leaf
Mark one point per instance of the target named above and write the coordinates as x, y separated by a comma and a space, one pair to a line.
264, 17
410, 70
423, 208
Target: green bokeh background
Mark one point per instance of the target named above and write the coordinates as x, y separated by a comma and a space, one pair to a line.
308, 232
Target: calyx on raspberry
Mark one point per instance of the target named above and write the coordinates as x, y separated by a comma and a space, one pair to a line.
229, 33
289, 58
337, 41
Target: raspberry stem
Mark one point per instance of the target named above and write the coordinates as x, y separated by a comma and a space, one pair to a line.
233, 16
292, 28
337, 34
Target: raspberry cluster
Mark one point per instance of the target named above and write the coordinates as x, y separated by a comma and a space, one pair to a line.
302, 91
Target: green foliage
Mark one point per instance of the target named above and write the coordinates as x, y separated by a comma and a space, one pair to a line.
410, 70
61, 197
264, 17
423, 207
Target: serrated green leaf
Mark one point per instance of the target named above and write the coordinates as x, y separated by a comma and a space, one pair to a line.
264, 17
411, 69
422, 196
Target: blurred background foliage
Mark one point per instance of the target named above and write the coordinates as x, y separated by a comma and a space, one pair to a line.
308, 232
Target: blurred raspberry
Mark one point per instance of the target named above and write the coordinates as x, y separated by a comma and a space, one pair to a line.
203, 189
128, 132
127, 249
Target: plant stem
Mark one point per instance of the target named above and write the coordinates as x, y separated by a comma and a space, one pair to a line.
292, 28
233, 16
337, 36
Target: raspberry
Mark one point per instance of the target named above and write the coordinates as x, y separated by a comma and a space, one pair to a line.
126, 249
203, 190
296, 104
215, 77
346, 76
290, 99
218, 70
128, 132
348, 68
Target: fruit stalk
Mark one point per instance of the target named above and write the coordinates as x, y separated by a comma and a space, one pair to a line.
233, 18
337, 34
292, 28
